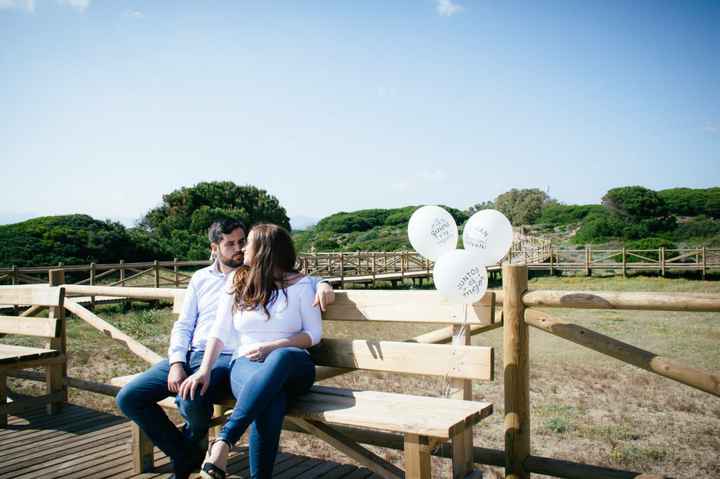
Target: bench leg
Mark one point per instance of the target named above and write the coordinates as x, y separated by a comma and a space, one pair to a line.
218, 411
142, 451
3, 398
462, 453
417, 457
55, 383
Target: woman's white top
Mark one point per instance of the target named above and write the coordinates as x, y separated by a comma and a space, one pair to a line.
289, 315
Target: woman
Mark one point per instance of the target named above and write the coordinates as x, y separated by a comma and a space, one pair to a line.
269, 307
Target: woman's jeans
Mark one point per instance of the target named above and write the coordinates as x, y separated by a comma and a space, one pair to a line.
263, 390
138, 401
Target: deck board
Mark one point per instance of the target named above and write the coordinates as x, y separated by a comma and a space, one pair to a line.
81, 443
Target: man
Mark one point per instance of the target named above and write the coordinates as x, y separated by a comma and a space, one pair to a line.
138, 399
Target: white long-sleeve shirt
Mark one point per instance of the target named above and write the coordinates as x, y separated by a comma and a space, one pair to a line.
289, 315
190, 331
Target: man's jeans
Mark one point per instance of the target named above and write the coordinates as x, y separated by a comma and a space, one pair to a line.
262, 390
138, 401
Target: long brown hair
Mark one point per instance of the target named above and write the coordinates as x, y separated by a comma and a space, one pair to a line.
274, 255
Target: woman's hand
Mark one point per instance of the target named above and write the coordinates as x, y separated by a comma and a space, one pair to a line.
201, 378
176, 377
260, 352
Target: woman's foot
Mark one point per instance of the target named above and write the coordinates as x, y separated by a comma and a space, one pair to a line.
215, 464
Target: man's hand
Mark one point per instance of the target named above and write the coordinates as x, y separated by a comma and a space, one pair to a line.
176, 377
324, 296
201, 378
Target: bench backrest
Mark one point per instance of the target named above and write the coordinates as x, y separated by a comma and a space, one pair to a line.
451, 361
51, 297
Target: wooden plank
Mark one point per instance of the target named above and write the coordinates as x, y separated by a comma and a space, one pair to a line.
350, 448
32, 311
10, 354
436, 417
123, 292
34, 362
3, 398
35, 295
406, 306
88, 316
178, 301
467, 362
43, 327
417, 457
696, 378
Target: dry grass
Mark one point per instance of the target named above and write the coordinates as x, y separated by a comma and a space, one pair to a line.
586, 407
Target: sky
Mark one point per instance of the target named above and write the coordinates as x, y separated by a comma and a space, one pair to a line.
344, 105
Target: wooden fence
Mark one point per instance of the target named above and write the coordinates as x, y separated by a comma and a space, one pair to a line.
368, 267
519, 311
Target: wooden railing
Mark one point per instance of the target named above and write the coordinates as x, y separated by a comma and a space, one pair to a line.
519, 310
370, 266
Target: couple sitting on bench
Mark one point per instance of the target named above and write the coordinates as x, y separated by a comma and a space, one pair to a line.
246, 323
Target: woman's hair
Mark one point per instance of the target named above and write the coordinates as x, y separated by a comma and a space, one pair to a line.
274, 255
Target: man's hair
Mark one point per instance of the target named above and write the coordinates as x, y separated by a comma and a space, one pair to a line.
224, 227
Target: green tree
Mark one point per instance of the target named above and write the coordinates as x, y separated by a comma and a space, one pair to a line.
68, 239
179, 225
523, 206
635, 202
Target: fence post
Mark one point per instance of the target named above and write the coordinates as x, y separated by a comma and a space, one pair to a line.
373, 266
516, 371
588, 252
56, 375
342, 270
157, 273
122, 272
13, 275
92, 283
175, 270
552, 260
624, 261
704, 263
403, 259
661, 256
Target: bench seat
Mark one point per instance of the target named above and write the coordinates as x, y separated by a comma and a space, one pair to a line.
392, 412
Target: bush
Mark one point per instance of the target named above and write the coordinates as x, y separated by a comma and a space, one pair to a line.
635, 202
69, 239
558, 214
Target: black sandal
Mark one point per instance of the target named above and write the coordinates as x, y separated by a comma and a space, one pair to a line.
210, 470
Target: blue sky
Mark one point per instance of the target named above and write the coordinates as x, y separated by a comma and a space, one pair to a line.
343, 105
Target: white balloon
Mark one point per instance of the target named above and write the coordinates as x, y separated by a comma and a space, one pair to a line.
488, 233
432, 231
460, 276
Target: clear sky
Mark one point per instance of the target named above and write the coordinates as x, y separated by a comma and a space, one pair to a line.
343, 105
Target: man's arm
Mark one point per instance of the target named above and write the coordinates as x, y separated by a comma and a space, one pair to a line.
324, 294
183, 328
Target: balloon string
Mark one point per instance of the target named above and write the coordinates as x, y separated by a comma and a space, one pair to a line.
457, 339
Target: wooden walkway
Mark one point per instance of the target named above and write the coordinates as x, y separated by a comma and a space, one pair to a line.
84, 443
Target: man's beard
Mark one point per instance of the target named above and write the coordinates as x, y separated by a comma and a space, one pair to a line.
231, 262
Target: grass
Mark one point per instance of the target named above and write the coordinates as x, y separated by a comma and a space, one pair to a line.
585, 407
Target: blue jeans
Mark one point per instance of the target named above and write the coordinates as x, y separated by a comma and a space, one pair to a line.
138, 401
262, 391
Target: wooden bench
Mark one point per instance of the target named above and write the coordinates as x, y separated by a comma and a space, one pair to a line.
53, 356
424, 421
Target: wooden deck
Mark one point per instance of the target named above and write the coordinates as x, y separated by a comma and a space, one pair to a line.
84, 443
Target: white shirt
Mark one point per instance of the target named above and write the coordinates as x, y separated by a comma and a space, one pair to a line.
289, 315
191, 329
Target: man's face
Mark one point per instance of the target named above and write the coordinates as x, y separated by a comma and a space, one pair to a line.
230, 249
